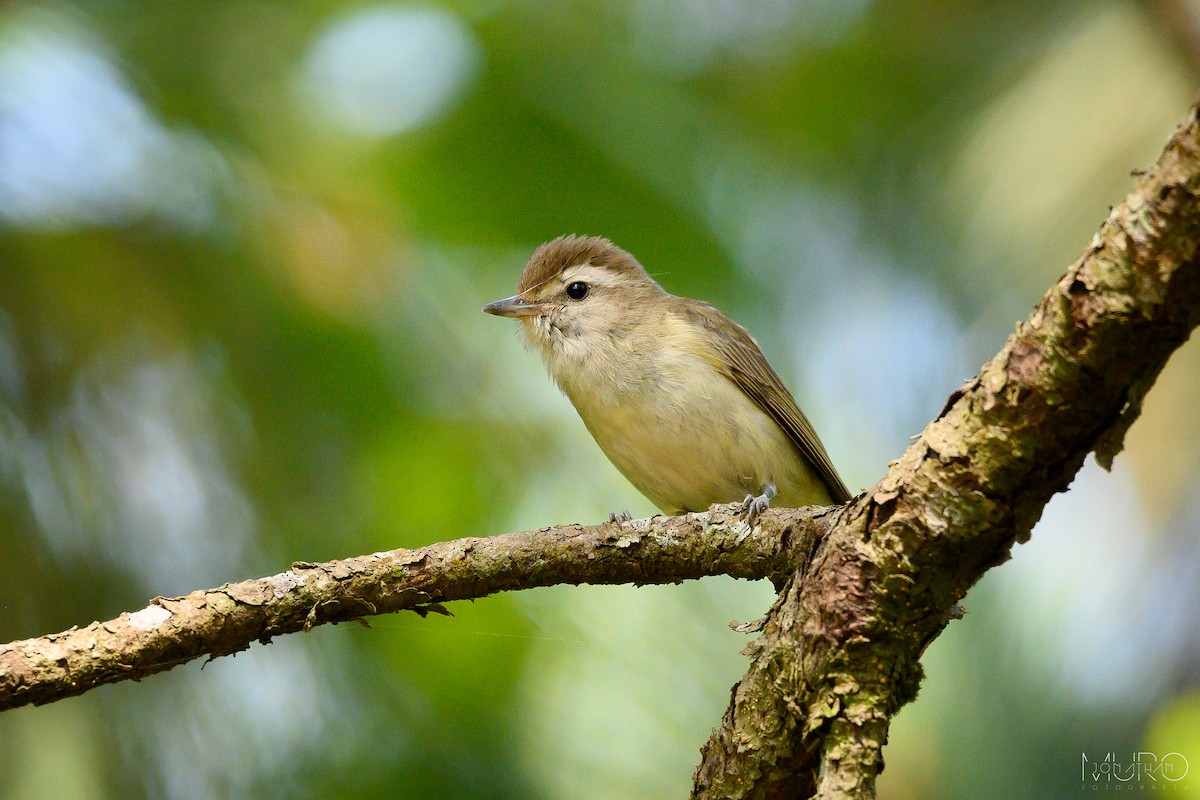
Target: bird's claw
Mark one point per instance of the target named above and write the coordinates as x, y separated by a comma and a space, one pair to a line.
619, 518
753, 506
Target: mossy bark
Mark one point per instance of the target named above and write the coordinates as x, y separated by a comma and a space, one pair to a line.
217, 622
863, 588
838, 654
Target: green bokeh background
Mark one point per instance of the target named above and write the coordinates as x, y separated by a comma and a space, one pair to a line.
243, 248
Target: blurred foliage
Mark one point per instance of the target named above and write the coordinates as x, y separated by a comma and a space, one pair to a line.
243, 248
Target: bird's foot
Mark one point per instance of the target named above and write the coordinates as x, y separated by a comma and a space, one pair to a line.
753, 506
619, 518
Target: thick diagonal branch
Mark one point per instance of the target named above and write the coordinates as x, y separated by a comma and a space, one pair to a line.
860, 597
838, 654
217, 622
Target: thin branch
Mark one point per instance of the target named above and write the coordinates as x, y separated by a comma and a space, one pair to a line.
863, 590
221, 621
839, 651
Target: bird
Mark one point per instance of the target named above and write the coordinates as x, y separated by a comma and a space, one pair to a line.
678, 396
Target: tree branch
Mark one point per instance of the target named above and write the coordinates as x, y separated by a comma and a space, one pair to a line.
217, 622
863, 588
839, 651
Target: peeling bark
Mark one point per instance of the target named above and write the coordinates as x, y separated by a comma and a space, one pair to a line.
217, 622
863, 588
839, 652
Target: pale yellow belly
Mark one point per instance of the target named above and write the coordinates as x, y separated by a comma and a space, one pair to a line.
687, 448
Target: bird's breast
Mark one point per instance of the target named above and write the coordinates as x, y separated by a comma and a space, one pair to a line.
681, 431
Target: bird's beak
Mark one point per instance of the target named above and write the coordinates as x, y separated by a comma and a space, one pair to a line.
515, 306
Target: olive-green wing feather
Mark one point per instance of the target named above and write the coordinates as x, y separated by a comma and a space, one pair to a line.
746, 365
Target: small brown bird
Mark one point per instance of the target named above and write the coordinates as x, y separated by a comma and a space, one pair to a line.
677, 395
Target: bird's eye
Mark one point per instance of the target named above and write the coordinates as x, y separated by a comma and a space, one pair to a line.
577, 290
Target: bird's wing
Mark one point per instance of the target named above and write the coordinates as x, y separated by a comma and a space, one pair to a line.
739, 356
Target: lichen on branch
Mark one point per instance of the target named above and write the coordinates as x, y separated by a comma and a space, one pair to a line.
217, 622
839, 651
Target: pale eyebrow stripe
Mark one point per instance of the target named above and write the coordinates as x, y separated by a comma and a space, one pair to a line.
587, 267
536, 285
587, 271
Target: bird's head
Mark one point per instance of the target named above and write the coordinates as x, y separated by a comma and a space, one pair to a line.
578, 295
